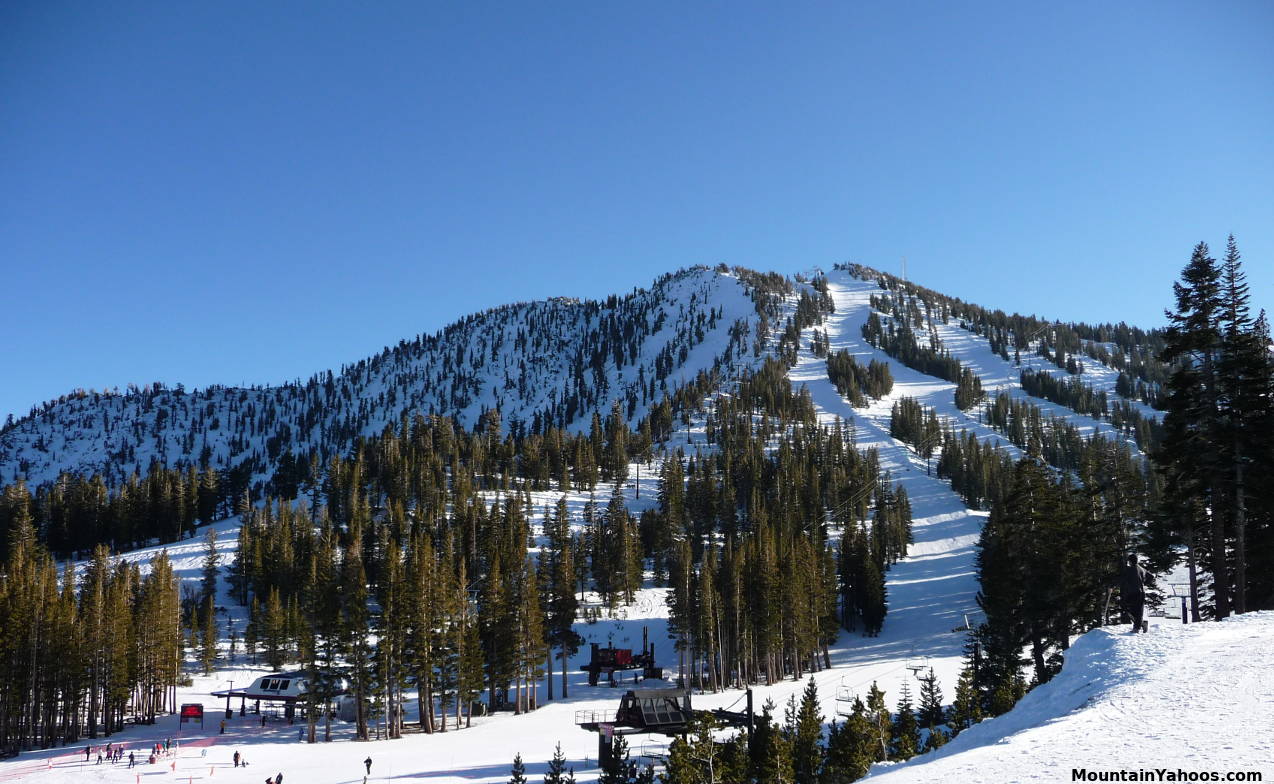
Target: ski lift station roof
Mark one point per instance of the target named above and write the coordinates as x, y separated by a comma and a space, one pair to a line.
642, 710
277, 686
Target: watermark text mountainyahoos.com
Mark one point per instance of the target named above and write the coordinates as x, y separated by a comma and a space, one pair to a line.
1162, 774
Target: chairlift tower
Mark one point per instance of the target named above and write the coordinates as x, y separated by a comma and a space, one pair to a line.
1182, 591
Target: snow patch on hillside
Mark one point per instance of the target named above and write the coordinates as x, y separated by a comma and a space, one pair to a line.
1196, 697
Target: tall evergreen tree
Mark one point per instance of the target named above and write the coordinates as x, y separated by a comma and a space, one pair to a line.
807, 750
905, 732
1190, 454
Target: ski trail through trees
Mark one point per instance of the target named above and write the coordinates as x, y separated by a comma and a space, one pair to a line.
931, 591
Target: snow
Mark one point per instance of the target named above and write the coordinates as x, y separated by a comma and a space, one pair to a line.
517, 358
1184, 695
1196, 698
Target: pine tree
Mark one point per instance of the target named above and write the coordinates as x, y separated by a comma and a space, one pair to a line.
355, 621
518, 774
530, 636
936, 739
807, 753
208, 636
966, 709
562, 603
770, 752
905, 732
468, 652
1245, 394
695, 758
931, 711
275, 631
851, 747
211, 567
615, 769
880, 723
1190, 451
838, 765
391, 628
556, 774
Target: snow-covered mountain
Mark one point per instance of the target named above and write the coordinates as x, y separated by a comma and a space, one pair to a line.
552, 362
558, 362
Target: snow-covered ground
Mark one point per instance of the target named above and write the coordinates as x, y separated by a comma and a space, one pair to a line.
1196, 698
930, 595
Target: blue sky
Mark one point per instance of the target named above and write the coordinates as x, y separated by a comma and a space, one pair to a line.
251, 192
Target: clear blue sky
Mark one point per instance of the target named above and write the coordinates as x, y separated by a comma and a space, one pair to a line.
228, 192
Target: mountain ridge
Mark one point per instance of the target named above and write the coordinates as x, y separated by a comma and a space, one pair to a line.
547, 361
551, 362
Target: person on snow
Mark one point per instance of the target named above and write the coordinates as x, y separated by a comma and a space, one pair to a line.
278, 778
131, 759
236, 759
1132, 590
368, 763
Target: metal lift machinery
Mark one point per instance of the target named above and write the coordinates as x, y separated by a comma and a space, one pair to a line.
610, 659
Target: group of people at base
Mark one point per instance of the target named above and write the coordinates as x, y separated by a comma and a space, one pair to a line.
114, 752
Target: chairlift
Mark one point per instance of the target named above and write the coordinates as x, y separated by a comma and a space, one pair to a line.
1176, 606
655, 750
918, 665
846, 696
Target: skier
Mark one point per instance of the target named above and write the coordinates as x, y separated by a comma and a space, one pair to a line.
223, 726
368, 763
87, 751
131, 760
278, 778
1132, 590
236, 759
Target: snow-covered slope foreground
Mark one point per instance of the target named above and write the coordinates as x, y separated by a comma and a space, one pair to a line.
1196, 698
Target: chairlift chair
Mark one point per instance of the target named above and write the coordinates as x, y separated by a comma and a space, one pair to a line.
845, 698
918, 665
655, 751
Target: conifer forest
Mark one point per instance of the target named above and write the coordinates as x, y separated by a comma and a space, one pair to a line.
429, 530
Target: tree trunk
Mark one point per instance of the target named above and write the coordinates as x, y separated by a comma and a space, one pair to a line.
1240, 534
1193, 570
548, 678
1220, 569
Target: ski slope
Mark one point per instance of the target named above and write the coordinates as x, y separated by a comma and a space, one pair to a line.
930, 595
1196, 698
